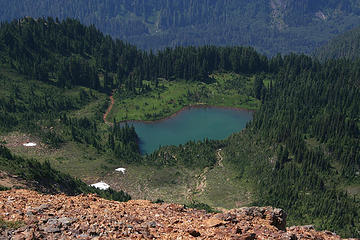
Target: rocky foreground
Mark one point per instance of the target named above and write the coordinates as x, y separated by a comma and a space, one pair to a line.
91, 217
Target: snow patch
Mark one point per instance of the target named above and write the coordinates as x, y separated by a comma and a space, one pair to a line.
29, 144
101, 185
120, 170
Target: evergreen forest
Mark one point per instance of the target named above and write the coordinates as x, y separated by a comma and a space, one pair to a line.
274, 26
344, 46
301, 152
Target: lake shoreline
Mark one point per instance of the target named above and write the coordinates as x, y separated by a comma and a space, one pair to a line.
192, 123
185, 109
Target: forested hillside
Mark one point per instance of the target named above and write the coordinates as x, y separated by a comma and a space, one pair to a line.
69, 54
48, 180
344, 46
301, 152
38, 106
74, 63
312, 117
271, 26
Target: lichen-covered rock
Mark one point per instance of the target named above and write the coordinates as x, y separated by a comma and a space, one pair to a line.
91, 217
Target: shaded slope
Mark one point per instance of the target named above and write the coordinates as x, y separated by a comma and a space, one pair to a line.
271, 26
42, 177
311, 120
344, 46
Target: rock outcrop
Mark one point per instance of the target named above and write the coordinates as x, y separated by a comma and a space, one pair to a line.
90, 217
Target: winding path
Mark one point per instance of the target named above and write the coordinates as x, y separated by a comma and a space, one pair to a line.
221, 158
109, 109
201, 184
202, 181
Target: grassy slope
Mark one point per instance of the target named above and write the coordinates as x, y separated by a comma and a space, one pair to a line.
221, 186
173, 184
74, 158
173, 96
12, 79
180, 184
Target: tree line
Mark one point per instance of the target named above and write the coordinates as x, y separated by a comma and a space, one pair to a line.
67, 53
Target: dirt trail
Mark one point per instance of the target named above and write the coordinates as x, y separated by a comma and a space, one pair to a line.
109, 109
201, 185
221, 158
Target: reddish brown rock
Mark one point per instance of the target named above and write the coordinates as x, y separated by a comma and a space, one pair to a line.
91, 217
213, 222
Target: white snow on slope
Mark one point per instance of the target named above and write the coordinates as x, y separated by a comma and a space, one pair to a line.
29, 144
101, 185
120, 170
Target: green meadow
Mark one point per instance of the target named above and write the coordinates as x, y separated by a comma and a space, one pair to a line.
226, 90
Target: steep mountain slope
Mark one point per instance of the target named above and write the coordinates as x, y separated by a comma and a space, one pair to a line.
344, 46
300, 153
88, 217
271, 26
43, 178
313, 115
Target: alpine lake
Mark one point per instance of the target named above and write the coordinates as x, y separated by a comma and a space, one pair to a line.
190, 124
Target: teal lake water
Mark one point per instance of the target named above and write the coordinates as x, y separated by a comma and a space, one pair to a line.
191, 124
